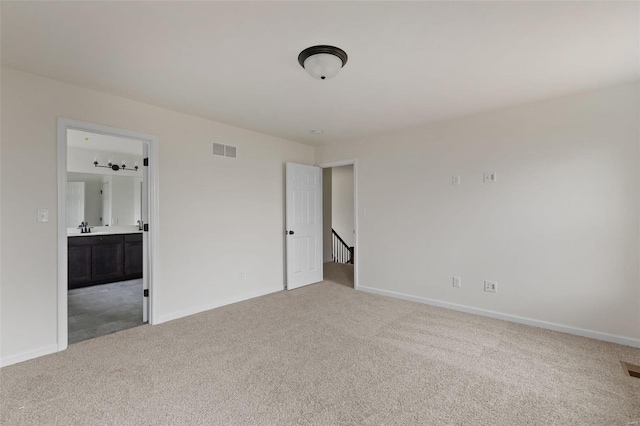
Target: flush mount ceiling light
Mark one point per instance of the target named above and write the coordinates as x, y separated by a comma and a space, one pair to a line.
322, 62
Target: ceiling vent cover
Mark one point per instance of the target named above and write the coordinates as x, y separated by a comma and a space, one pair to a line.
230, 151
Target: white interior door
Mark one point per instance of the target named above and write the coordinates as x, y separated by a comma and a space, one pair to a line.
106, 204
304, 225
75, 204
144, 217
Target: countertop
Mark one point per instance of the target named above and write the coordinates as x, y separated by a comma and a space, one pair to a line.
102, 232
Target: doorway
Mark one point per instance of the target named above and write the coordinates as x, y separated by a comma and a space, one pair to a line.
339, 200
107, 188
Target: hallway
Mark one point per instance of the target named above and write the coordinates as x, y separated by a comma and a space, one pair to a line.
340, 273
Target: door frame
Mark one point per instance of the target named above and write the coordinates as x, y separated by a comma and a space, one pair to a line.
356, 260
63, 125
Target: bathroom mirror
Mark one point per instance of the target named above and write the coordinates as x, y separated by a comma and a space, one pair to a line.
103, 200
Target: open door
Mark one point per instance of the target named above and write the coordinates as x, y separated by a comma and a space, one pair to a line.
144, 220
304, 225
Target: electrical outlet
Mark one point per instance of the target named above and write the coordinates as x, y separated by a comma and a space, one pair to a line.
242, 275
456, 282
455, 180
490, 177
491, 286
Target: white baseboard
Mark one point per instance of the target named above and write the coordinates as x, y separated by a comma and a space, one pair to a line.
218, 303
622, 340
25, 356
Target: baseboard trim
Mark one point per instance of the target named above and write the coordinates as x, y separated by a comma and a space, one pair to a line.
218, 304
622, 340
25, 356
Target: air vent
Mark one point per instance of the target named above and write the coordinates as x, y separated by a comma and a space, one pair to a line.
223, 150
217, 149
230, 151
631, 370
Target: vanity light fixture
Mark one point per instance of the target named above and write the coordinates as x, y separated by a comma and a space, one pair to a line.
116, 167
322, 62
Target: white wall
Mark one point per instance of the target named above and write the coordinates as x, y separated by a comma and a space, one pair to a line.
559, 231
326, 215
204, 201
342, 203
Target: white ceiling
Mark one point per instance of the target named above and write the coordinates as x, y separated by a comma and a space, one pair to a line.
98, 142
409, 62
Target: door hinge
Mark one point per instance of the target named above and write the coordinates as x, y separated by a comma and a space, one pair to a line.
146, 227
145, 292
145, 162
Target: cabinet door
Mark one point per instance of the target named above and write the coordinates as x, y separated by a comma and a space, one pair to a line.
107, 258
79, 264
133, 259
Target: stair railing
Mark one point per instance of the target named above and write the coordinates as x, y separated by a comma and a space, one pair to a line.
341, 251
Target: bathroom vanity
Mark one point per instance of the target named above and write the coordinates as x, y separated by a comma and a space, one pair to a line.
103, 257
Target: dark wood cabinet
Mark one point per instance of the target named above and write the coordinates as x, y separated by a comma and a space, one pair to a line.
79, 264
107, 258
102, 259
133, 254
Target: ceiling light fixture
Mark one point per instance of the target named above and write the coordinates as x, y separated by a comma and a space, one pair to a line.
317, 131
115, 167
322, 62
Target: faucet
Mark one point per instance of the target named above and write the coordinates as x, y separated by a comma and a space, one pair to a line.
84, 228
139, 225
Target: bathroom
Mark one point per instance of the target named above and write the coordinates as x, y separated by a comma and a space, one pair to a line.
105, 203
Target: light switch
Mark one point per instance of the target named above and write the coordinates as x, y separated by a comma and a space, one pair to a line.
455, 180
490, 177
43, 215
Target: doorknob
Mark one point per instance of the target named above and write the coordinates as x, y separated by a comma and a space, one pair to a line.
291, 232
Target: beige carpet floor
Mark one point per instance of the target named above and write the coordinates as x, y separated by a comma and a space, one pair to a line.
326, 355
340, 273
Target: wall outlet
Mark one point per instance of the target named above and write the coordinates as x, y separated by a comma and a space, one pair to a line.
242, 275
455, 180
456, 282
491, 286
490, 177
